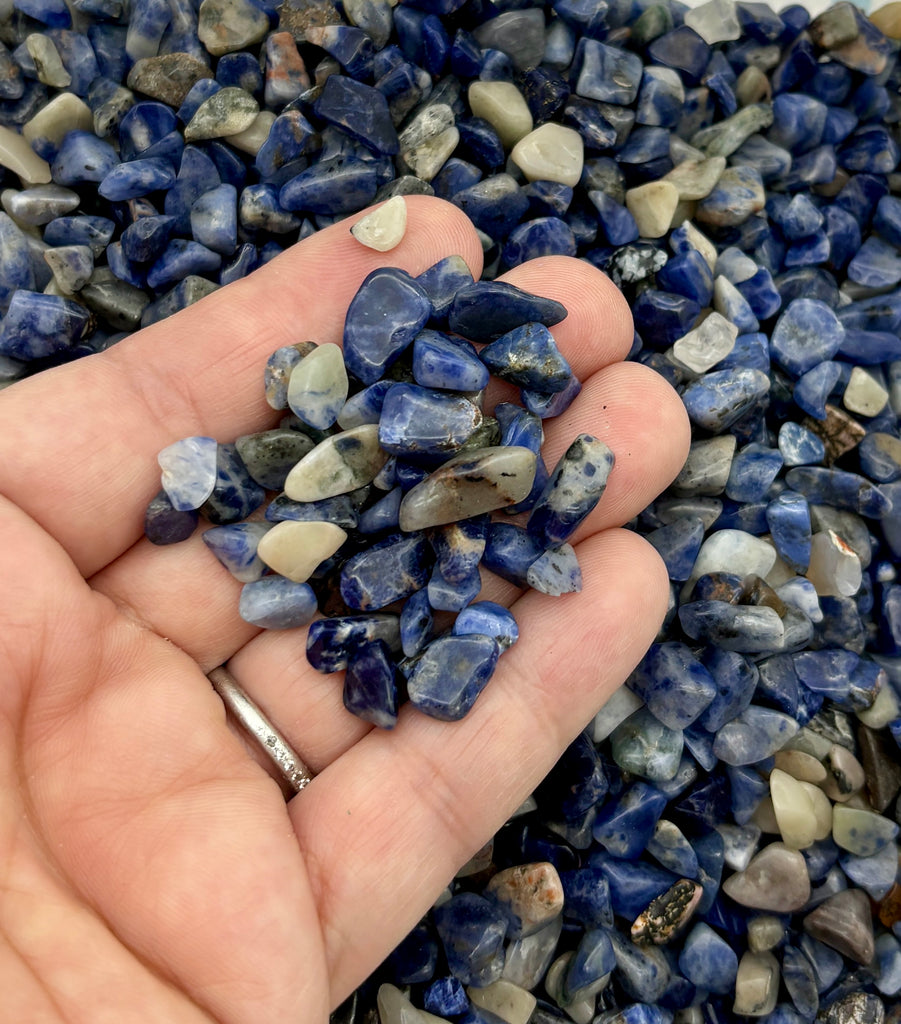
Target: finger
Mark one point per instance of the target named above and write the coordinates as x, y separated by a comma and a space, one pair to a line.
100, 422
426, 796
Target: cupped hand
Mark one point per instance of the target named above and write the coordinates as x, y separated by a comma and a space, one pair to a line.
150, 868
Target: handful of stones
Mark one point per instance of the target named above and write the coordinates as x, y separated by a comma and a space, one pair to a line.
384, 515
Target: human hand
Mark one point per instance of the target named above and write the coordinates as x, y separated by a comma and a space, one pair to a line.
150, 867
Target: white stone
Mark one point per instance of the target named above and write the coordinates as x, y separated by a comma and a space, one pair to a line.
329, 470
528, 959
810, 742
794, 810
834, 567
861, 832
715, 22
685, 210
620, 704
696, 179
66, 277
756, 984
504, 106
733, 551
864, 395
294, 549
318, 385
395, 1008
47, 61
384, 227
228, 25
551, 152
800, 765
822, 809
653, 205
800, 593
704, 346
429, 123
775, 880
701, 242
884, 709
252, 138
66, 112
508, 1001
844, 768
580, 1010
426, 160
707, 466
741, 266
765, 932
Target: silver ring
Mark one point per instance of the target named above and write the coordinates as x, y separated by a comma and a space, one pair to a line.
289, 765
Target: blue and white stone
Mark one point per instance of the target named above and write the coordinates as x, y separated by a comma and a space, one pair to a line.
235, 545
318, 385
331, 642
337, 465
370, 689
448, 363
417, 421
388, 571
450, 674
189, 471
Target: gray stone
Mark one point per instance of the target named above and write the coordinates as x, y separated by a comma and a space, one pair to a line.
227, 112
776, 879
168, 77
845, 923
224, 26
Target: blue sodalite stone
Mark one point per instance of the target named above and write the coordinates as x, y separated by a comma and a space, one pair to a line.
678, 544
53, 13
607, 73
383, 515
788, 517
16, 270
800, 981
624, 826
660, 98
880, 458
235, 494
441, 361
546, 406
240, 70
799, 446
544, 236
415, 623
644, 976
495, 205
798, 122
754, 469
644, 746
528, 356
632, 884
548, 198
672, 850
38, 325
586, 896
163, 524
717, 400
556, 572
472, 930
874, 874
780, 687
573, 490
674, 685
199, 93
244, 262
274, 602
235, 546
682, 49
843, 235
839, 489
812, 389
661, 318
370, 689
459, 547
688, 274
708, 961
289, 138
592, 960
734, 628
509, 552
876, 264
388, 571
616, 222
92, 231
447, 596
260, 210
82, 157
450, 674
144, 125
441, 282
840, 122
189, 471
146, 238
489, 619
480, 143
807, 333
136, 178
214, 219
366, 405
331, 187
359, 110
869, 347
809, 252
870, 149
445, 997
417, 421
887, 219
762, 294
196, 174
180, 259
387, 312
756, 733
485, 310
331, 642
576, 783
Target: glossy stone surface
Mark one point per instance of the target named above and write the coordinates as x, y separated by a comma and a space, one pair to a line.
337, 465
528, 357
485, 310
450, 674
275, 602
417, 421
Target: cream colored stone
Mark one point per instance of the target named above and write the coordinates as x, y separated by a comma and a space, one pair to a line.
66, 112
845, 774
504, 106
508, 1001
696, 179
47, 61
888, 19
330, 469
884, 709
800, 765
822, 809
764, 817
702, 348
294, 549
861, 832
733, 551
752, 86
395, 1008
765, 932
384, 227
17, 156
793, 809
252, 138
834, 568
427, 159
551, 152
579, 1010
653, 205
864, 394
756, 985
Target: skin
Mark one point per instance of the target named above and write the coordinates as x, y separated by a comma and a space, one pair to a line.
150, 868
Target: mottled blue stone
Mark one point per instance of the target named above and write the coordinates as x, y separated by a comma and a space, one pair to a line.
179, 259
447, 596
661, 318
450, 674
607, 73
164, 524
556, 572
868, 348
874, 874
682, 49
509, 552
53, 13
415, 623
387, 312
274, 602
417, 421
480, 143
214, 219
878, 461
441, 361
688, 274
754, 734
617, 223
485, 310
592, 960
806, 334
259, 210
574, 488
876, 264
144, 125
370, 689
674, 685
331, 642
528, 356
798, 121
660, 98
235, 546
199, 92
717, 400
236, 494
809, 252
751, 351
870, 149
624, 826
82, 157
678, 544
189, 471
543, 236
441, 282
495, 205
761, 293
800, 446
38, 325
812, 389
16, 269
136, 178
489, 619
459, 547
196, 175
788, 517
289, 139
732, 627
708, 961
645, 747
359, 110
445, 997
472, 930
586, 895
240, 70
146, 238
546, 406
840, 122
383, 515
780, 686
840, 489
753, 470
386, 572
335, 186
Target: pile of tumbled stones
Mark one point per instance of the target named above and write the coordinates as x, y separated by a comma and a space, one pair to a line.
384, 498
722, 843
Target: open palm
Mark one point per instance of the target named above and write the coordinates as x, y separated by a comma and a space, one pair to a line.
150, 869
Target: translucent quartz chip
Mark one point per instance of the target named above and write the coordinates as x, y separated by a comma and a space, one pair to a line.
382, 229
189, 471
552, 152
468, 485
776, 879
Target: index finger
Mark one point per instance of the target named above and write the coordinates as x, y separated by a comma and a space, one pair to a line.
79, 442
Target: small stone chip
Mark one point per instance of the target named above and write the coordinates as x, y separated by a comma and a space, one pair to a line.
668, 914
294, 549
382, 229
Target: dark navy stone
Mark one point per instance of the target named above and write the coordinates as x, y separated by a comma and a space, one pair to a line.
415, 958
240, 70
616, 221
383, 515
386, 572
586, 893
330, 642
876, 264
590, 120
495, 205
370, 690
489, 619
350, 46
465, 55
144, 125
674, 685
387, 312
359, 110
336, 186
453, 596
480, 143
717, 400
339, 510
839, 125
136, 178
809, 252
624, 826
485, 310
868, 348
164, 524
509, 552
528, 356
632, 884
289, 138
440, 361
415, 623
472, 931
871, 149
445, 997
53, 13
799, 63
196, 175
450, 674
236, 494
38, 325
788, 517
82, 157
180, 259
455, 176
678, 545
274, 602
544, 236
441, 282
682, 49
661, 318
547, 406
146, 238
199, 92
459, 547
576, 783
747, 788
688, 274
